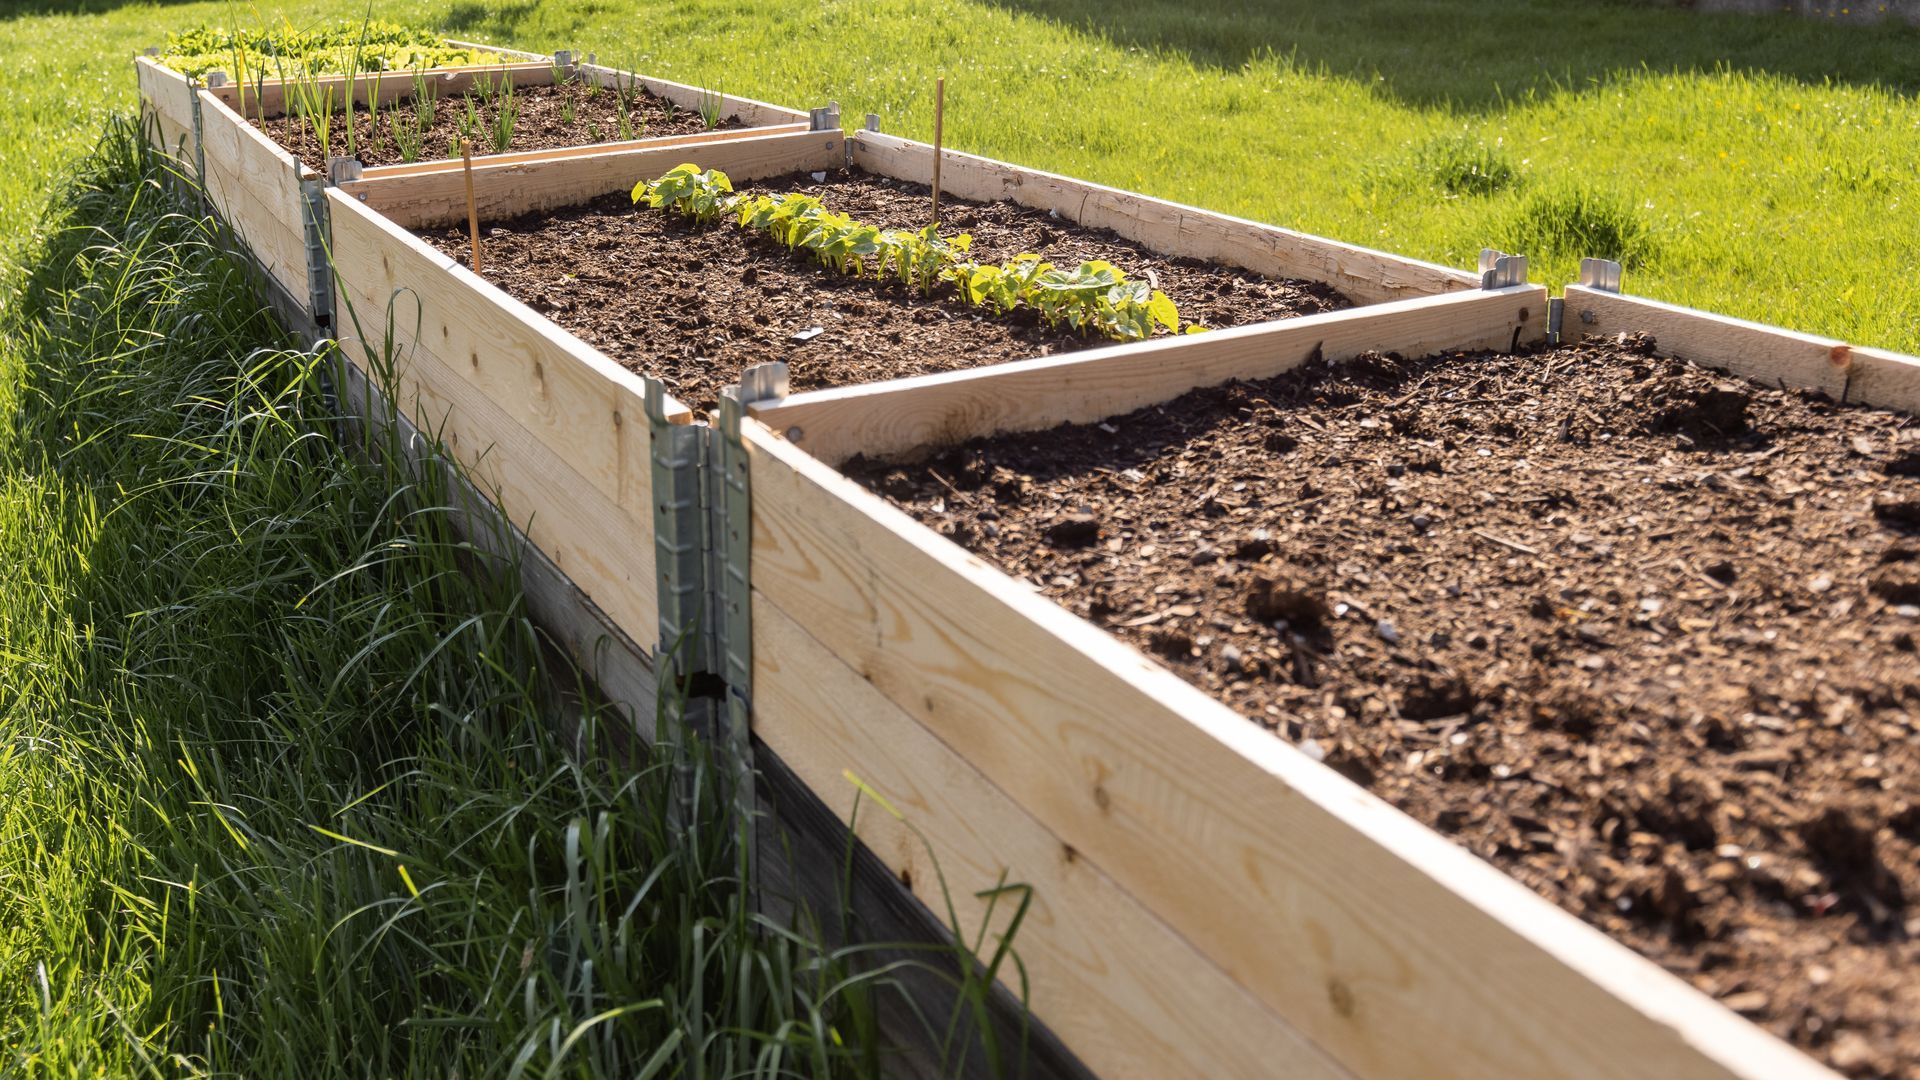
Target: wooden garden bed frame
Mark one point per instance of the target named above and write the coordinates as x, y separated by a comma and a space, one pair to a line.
1207, 900
268, 196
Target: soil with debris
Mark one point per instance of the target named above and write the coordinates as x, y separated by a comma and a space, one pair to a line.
550, 117
1642, 636
697, 305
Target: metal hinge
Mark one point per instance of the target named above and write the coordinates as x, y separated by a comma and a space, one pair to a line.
1499, 270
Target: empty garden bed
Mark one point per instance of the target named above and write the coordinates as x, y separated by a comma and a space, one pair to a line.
1641, 636
695, 305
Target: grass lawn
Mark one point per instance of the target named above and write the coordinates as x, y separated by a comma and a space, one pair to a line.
1767, 168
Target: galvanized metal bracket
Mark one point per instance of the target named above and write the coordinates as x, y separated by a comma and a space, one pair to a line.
731, 531
1602, 274
216, 79
824, 118
1499, 270
340, 170
563, 60
873, 122
317, 227
1556, 317
199, 140
677, 463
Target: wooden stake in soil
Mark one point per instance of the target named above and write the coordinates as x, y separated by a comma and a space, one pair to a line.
939, 125
473, 214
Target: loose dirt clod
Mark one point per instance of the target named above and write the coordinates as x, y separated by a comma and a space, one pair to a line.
1652, 646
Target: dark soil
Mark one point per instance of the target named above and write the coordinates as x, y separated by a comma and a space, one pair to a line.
542, 124
695, 306
1641, 636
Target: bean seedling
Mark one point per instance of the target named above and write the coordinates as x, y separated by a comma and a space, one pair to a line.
1094, 298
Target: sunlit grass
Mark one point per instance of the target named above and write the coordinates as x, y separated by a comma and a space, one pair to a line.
1765, 188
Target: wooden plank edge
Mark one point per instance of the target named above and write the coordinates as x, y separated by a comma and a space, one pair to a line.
688, 96
341, 202
1604, 972
870, 148
455, 43
586, 150
1115, 983
902, 415
513, 189
1769, 355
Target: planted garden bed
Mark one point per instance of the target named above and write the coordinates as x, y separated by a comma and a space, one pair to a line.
1642, 637
422, 124
695, 304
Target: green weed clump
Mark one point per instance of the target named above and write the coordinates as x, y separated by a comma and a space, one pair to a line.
1569, 220
289, 783
1462, 165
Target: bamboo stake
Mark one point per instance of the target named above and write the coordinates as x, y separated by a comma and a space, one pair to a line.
939, 126
473, 213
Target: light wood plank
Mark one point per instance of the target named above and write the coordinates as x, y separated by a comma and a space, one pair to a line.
518, 54
1885, 379
1363, 274
1765, 354
1126, 993
504, 191
558, 429
893, 418
168, 98
417, 168
751, 113
562, 391
255, 185
1394, 950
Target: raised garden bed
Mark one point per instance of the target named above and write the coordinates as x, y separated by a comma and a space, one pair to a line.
256, 184
696, 305
427, 124
1475, 556
1640, 636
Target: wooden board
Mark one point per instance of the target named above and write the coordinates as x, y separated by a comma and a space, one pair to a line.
894, 418
255, 187
168, 99
417, 168
1115, 983
1365, 275
751, 113
1392, 949
502, 191
270, 97
557, 429
1765, 354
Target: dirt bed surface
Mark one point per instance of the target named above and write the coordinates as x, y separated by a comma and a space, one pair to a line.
1638, 634
542, 124
696, 306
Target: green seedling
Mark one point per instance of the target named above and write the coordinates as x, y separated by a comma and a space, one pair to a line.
408, 138
712, 106
684, 189
506, 115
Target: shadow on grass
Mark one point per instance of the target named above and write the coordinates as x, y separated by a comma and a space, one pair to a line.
1471, 55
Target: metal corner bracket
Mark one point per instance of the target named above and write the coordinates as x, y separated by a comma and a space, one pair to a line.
1601, 274
1499, 270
